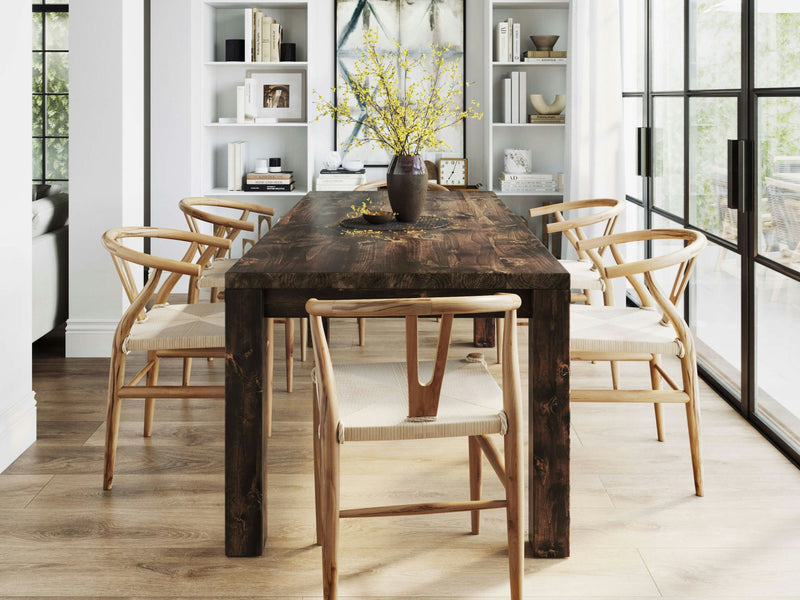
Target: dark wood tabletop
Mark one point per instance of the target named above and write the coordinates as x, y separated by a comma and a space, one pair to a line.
482, 248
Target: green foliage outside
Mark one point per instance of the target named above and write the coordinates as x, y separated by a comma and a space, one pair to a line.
50, 99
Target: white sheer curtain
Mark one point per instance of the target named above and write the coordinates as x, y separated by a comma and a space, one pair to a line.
594, 165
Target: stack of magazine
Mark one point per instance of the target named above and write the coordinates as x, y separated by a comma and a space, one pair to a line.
340, 180
528, 182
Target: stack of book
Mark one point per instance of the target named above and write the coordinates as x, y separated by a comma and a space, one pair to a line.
269, 182
547, 118
507, 41
262, 37
340, 180
528, 182
546, 56
236, 165
515, 97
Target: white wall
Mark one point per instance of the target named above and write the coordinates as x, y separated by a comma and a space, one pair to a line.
106, 160
17, 404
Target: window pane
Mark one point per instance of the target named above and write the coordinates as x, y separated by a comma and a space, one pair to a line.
57, 31
58, 115
777, 43
37, 160
715, 44
779, 165
668, 154
57, 72
38, 119
57, 158
633, 45
712, 121
666, 30
633, 119
715, 294
37, 31
778, 318
37, 73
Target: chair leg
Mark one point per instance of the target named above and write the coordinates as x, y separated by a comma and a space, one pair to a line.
655, 383
303, 338
362, 331
187, 371
116, 379
330, 508
289, 354
475, 481
691, 385
514, 476
498, 338
615, 374
317, 463
150, 403
270, 358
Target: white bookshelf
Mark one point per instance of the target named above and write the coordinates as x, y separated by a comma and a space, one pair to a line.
547, 141
221, 20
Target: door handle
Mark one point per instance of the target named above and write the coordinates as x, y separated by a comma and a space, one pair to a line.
644, 153
740, 169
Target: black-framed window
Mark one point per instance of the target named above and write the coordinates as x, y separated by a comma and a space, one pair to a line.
50, 101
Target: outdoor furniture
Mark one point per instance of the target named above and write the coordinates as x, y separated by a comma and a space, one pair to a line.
647, 332
163, 330
365, 402
482, 248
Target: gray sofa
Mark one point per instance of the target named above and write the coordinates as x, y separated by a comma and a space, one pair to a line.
50, 228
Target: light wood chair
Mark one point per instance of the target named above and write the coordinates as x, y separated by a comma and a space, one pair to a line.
646, 333
163, 330
199, 211
381, 183
386, 401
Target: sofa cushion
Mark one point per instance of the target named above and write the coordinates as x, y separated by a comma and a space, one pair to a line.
49, 213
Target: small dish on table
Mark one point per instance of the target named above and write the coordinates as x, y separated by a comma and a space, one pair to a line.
378, 217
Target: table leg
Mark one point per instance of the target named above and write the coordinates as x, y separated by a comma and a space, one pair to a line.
548, 426
245, 424
483, 332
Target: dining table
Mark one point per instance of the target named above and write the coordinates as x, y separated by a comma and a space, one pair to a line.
468, 242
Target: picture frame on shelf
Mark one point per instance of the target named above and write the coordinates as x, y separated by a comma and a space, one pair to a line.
280, 95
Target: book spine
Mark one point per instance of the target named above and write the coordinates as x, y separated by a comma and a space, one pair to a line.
507, 100
523, 96
516, 43
248, 35
249, 100
268, 187
515, 96
266, 38
258, 35
510, 44
231, 167
240, 104
257, 181
501, 42
275, 43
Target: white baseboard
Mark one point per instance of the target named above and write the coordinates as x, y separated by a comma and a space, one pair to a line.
17, 429
90, 338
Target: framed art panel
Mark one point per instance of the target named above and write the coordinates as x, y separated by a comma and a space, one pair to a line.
415, 26
280, 94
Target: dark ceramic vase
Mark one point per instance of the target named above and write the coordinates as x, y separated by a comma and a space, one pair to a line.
407, 184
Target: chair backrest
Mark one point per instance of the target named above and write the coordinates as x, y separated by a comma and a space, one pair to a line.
605, 211
423, 399
211, 210
381, 183
123, 256
783, 199
651, 293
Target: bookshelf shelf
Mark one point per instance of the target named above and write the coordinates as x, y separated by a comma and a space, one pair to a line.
546, 141
218, 79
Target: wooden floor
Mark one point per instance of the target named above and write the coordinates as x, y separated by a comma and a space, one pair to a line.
638, 531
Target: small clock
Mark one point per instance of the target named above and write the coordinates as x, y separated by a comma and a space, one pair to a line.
453, 172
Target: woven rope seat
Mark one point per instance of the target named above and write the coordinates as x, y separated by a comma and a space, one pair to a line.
583, 275
214, 275
621, 329
180, 326
373, 402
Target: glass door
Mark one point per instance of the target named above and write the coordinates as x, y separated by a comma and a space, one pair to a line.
716, 95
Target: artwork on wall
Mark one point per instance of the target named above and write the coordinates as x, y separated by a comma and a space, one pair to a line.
414, 26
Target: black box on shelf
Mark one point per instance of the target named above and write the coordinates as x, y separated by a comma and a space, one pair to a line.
234, 50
